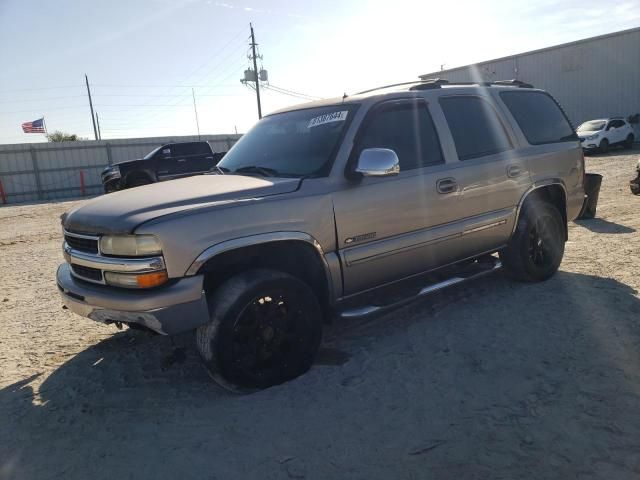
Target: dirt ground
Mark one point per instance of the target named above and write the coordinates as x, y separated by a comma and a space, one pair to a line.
493, 379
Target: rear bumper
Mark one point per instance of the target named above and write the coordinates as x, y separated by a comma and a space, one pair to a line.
168, 310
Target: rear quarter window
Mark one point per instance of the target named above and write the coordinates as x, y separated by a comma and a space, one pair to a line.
539, 117
475, 127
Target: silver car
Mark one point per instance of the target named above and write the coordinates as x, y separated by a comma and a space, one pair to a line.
337, 208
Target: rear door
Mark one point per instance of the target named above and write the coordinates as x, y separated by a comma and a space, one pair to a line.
548, 142
491, 172
186, 157
617, 132
392, 227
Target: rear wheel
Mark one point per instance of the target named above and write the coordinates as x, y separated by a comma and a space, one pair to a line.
604, 146
628, 143
535, 251
265, 329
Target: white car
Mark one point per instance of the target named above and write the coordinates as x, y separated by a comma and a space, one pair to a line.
601, 134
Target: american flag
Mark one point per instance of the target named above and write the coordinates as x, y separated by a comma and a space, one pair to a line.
37, 126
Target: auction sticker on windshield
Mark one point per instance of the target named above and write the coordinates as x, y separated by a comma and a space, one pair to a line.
328, 118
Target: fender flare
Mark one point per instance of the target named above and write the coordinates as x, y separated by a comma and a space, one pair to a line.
533, 188
261, 239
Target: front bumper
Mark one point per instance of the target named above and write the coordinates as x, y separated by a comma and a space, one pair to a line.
589, 145
111, 180
168, 310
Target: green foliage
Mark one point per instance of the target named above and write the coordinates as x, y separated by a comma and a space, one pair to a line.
59, 136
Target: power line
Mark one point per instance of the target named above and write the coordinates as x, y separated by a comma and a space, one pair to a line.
175, 85
293, 92
267, 87
41, 88
38, 109
208, 62
45, 99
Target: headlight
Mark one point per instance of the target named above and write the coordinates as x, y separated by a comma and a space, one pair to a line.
137, 280
592, 137
130, 245
111, 169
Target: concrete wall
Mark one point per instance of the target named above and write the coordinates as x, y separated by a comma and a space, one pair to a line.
593, 78
45, 171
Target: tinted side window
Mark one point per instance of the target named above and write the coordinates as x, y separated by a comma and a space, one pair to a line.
407, 129
201, 148
616, 123
539, 117
184, 149
475, 126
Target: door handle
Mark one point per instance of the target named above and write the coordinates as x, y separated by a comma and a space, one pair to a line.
513, 171
182, 160
446, 185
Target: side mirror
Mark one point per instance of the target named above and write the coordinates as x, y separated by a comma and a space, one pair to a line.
378, 162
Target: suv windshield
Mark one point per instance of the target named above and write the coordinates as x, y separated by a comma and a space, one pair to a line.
291, 144
592, 126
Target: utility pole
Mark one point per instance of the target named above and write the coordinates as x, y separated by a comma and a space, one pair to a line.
93, 118
98, 122
193, 94
255, 70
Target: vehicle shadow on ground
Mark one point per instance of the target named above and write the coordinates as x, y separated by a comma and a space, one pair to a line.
614, 152
490, 379
600, 225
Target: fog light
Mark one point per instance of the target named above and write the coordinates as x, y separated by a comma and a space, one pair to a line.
140, 280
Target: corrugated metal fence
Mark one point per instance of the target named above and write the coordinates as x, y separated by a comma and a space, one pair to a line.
45, 171
591, 78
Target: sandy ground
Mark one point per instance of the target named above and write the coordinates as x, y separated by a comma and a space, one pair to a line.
490, 380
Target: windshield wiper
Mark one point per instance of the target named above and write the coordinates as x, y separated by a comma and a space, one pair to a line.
216, 170
264, 171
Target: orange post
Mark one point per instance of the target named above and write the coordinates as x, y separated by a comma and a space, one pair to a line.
3, 196
82, 190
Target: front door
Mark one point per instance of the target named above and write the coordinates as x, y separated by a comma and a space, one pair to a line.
166, 164
392, 227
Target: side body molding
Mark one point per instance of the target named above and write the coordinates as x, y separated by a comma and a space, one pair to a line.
330, 261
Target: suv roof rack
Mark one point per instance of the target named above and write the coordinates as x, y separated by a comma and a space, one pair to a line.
513, 83
429, 84
438, 82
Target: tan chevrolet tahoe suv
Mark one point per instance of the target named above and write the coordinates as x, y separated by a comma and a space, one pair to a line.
336, 208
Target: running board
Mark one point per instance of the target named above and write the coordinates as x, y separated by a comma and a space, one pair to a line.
366, 310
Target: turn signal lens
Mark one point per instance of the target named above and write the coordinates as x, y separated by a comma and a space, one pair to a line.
141, 280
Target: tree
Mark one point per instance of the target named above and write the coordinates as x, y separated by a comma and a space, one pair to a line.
59, 136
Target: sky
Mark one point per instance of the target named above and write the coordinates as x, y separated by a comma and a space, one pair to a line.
143, 57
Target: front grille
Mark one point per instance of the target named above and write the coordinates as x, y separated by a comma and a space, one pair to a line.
87, 272
87, 245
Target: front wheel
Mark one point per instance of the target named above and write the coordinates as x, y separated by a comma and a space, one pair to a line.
628, 143
535, 251
604, 146
265, 329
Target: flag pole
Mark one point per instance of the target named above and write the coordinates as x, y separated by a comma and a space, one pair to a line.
45, 126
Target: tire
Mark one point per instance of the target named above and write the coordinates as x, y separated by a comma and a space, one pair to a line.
535, 251
138, 180
604, 146
628, 143
265, 329
110, 187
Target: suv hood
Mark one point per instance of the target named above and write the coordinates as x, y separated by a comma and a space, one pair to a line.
587, 133
123, 211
